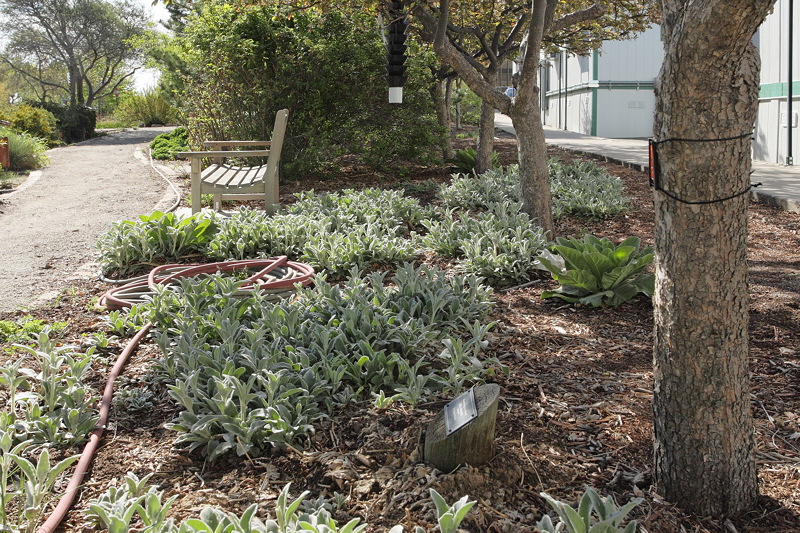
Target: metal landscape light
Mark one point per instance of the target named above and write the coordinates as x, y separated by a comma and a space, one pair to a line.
396, 52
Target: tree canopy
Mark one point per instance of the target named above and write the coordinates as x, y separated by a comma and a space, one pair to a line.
78, 50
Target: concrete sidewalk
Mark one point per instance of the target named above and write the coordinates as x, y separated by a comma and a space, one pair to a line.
780, 183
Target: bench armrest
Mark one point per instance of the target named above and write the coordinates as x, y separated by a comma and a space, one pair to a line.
223, 153
221, 144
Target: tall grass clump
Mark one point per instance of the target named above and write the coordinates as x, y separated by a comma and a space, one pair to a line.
26, 151
147, 108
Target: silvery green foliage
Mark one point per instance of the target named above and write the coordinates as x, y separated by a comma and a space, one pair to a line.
581, 188
250, 374
450, 516
500, 244
477, 193
25, 485
585, 189
333, 232
53, 404
118, 506
159, 237
594, 514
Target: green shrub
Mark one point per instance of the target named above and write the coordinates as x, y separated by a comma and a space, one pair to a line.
146, 109
26, 152
75, 123
35, 121
166, 145
594, 272
249, 61
468, 104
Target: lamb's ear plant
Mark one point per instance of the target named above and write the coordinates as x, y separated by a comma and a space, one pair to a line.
594, 514
594, 272
36, 483
450, 516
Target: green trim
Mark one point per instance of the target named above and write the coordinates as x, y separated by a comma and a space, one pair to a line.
594, 112
595, 65
605, 84
778, 90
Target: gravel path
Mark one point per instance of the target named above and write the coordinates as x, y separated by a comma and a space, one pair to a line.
49, 225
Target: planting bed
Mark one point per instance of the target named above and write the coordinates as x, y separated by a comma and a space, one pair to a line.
574, 408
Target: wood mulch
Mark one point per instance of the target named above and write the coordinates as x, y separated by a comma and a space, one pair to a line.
575, 408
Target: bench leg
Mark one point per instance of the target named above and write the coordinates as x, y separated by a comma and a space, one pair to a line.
195, 173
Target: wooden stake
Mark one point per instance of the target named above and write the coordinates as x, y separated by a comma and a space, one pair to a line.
473, 443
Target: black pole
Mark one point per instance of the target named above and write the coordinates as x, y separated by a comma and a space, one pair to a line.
790, 75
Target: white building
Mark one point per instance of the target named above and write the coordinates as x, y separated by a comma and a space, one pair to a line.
610, 93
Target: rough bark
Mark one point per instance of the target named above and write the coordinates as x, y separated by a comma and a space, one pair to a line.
443, 117
486, 128
707, 89
532, 155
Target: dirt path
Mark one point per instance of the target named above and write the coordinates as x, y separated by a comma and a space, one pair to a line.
48, 227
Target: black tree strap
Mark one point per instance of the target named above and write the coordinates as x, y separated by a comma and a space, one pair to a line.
655, 169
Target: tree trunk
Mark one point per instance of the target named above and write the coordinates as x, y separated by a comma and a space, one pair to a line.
486, 128
707, 89
443, 116
532, 152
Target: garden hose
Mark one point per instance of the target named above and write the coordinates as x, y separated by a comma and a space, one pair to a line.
64, 504
276, 276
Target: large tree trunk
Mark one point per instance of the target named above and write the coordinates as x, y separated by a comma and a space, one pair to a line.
707, 89
486, 127
532, 153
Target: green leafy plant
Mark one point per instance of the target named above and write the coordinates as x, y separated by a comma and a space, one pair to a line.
35, 121
250, 374
27, 329
147, 109
594, 272
158, 237
450, 516
467, 159
166, 145
581, 189
26, 484
594, 514
500, 245
585, 189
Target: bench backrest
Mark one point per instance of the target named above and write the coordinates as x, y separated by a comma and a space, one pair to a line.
276, 144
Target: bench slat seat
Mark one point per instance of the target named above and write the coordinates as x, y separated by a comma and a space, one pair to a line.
238, 182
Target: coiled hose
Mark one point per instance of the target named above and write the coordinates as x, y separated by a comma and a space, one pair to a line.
277, 276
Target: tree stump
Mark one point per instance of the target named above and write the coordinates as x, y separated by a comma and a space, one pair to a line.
471, 444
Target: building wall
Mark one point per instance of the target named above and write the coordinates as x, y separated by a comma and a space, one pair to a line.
771, 134
609, 93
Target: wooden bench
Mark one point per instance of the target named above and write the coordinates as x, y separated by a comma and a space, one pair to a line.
233, 182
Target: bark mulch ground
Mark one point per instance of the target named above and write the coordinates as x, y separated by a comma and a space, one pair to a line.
575, 408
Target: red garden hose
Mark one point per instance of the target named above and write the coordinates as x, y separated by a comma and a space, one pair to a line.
276, 275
